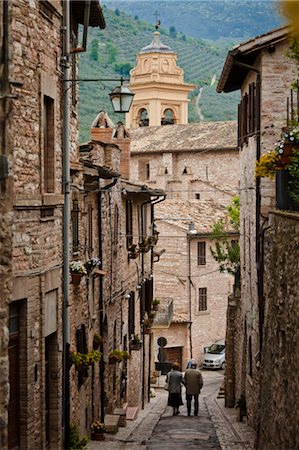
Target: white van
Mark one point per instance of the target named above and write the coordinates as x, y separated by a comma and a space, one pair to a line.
214, 357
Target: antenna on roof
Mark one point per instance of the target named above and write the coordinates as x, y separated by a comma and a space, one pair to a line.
158, 22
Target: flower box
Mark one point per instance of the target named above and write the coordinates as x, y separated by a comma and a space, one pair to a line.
97, 436
135, 345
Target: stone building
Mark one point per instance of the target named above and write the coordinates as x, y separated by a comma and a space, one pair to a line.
6, 195
180, 159
33, 130
263, 71
197, 167
112, 217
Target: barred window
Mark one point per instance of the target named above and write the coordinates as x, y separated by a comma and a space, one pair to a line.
129, 223
202, 299
75, 226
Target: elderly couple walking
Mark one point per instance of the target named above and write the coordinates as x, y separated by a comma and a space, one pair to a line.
193, 382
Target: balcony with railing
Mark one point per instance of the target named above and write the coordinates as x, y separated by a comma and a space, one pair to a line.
165, 312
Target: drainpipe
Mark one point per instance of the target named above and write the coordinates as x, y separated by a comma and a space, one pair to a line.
152, 202
189, 296
66, 219
101, 299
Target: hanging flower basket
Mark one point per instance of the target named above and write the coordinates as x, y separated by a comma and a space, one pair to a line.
136, 343
147, 330
77, 270
76, 278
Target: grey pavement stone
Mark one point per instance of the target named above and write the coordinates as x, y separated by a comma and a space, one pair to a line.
215, 428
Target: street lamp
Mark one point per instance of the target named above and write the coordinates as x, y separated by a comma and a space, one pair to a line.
121, 97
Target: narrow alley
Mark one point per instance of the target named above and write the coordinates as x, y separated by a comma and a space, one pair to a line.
156, 429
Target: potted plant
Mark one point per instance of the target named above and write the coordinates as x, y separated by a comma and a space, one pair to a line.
144, 245
97, 431
117, 356
92, 264
84, 360
283, 163
133, 251
136, 342
146, 325
97, 341
155, 304
151, 316
77, 270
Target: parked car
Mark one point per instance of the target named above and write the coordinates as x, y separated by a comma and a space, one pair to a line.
214, 357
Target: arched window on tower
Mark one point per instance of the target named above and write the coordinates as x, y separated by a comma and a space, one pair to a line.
143, 119
168, 117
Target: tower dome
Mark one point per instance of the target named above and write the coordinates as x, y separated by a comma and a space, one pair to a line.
161, 95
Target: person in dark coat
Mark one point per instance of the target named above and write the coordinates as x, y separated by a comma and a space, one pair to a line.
193, 382
175, 380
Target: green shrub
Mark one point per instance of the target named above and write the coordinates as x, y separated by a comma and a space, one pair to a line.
77, 442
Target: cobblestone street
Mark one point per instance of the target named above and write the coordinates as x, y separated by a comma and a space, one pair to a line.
155, 428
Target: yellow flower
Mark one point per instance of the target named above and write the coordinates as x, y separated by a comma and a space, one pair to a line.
268, 165
291, 11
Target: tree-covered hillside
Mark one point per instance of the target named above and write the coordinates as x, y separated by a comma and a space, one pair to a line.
208, 19
112, 53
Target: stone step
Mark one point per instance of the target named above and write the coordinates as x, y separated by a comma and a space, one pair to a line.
122, 416
221, 393
111, 423
132, 412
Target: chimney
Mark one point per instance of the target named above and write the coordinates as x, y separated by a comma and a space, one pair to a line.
102, 128
122, 138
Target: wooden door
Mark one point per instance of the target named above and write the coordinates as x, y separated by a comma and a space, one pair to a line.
173, 354
14, 378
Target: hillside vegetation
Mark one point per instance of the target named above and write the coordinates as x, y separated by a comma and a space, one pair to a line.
208, 19
112, 53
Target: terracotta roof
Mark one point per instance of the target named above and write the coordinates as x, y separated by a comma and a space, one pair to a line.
232, 75
195, 136
202, 214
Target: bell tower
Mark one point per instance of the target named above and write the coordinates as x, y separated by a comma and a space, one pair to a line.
161, 95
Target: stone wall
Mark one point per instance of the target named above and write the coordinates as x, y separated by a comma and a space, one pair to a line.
277, 73
280, 358
201, 177
6, 194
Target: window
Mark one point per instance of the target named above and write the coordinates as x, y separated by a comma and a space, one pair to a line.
81, 348
247, 115
143, 118
129, 223
115, 231
74, 71
201, 253
90, 230
75, 226
197, 196
131, 318
49, 148
168, 117
202, 299
144, 170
